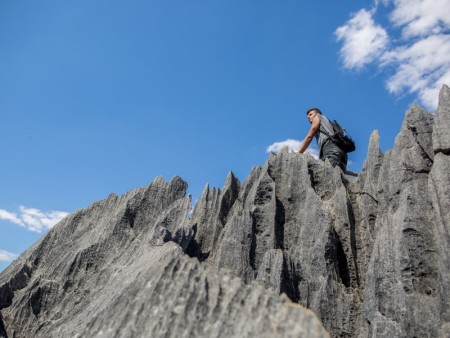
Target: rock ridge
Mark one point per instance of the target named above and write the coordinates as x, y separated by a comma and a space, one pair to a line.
369, 257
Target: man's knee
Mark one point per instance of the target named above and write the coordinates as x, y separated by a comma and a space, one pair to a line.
338, 162
336, 156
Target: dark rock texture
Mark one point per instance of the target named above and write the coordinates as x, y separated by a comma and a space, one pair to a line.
117, 269
439, 192
2, 328
290, 229
401, 295
441, 135
369, 256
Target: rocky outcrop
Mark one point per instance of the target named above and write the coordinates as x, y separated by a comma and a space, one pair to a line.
2, 328
290, 228
400, 297
439, 192
369, 256
441, 135
118, 268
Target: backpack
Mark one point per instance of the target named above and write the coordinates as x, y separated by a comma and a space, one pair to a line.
341, 138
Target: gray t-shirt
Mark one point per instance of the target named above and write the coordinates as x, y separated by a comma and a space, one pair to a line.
324, 125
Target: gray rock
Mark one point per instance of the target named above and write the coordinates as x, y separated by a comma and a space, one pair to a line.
441, 135
362, 254
235, 249
118, 268
370, 256
282, 274
210, 215
270, 272
2, 328
400, 298
82, 253
289, 230
365, 194
439, 191
180, 298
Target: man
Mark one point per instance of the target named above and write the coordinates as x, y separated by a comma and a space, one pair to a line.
320, 126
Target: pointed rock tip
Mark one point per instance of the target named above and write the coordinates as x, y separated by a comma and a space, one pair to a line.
178, 182
414, 113
444, 97
374, 138
373, 151
231, 181
230, 175
159, 179
177, 179
205, 191
204, 195
231, 178
112, 195
284, 150
441, 125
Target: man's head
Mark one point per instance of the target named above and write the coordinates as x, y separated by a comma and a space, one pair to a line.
310, 113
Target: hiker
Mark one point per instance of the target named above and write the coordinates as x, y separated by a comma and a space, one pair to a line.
322, 128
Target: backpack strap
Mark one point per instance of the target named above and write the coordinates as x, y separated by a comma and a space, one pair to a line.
322, 129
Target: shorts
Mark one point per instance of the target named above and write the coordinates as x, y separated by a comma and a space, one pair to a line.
334, 154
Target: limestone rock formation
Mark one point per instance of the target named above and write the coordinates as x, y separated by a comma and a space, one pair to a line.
117, 269
439, 192
2, 328
369, 256
289, 230
401, 296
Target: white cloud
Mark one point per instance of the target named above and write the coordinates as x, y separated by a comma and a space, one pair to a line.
419, 58
421, 68
292, 145
33, 219
11, 217
363, 40
6, 256
421, 17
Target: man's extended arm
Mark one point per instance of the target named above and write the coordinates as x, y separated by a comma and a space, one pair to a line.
315, 125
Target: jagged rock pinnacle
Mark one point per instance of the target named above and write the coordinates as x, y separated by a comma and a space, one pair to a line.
369, 256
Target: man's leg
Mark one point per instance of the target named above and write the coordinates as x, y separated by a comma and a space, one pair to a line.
335, 155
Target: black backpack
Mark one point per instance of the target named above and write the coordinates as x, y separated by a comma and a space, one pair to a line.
341, 138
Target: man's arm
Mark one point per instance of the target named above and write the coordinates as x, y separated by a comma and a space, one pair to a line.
315, 125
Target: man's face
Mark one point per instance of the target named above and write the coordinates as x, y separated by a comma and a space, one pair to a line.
311, 115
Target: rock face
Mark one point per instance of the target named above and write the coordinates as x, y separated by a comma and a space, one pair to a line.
2, 328
117, 269
369, 256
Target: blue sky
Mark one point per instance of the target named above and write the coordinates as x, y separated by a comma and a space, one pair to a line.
103, 96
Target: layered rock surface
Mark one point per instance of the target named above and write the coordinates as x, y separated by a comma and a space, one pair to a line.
117, 269
370, 256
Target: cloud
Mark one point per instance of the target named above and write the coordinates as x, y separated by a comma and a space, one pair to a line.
33, 219
6, 256
11, 217
421, 67
362, 40
418, 60
292, 145
421, 17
